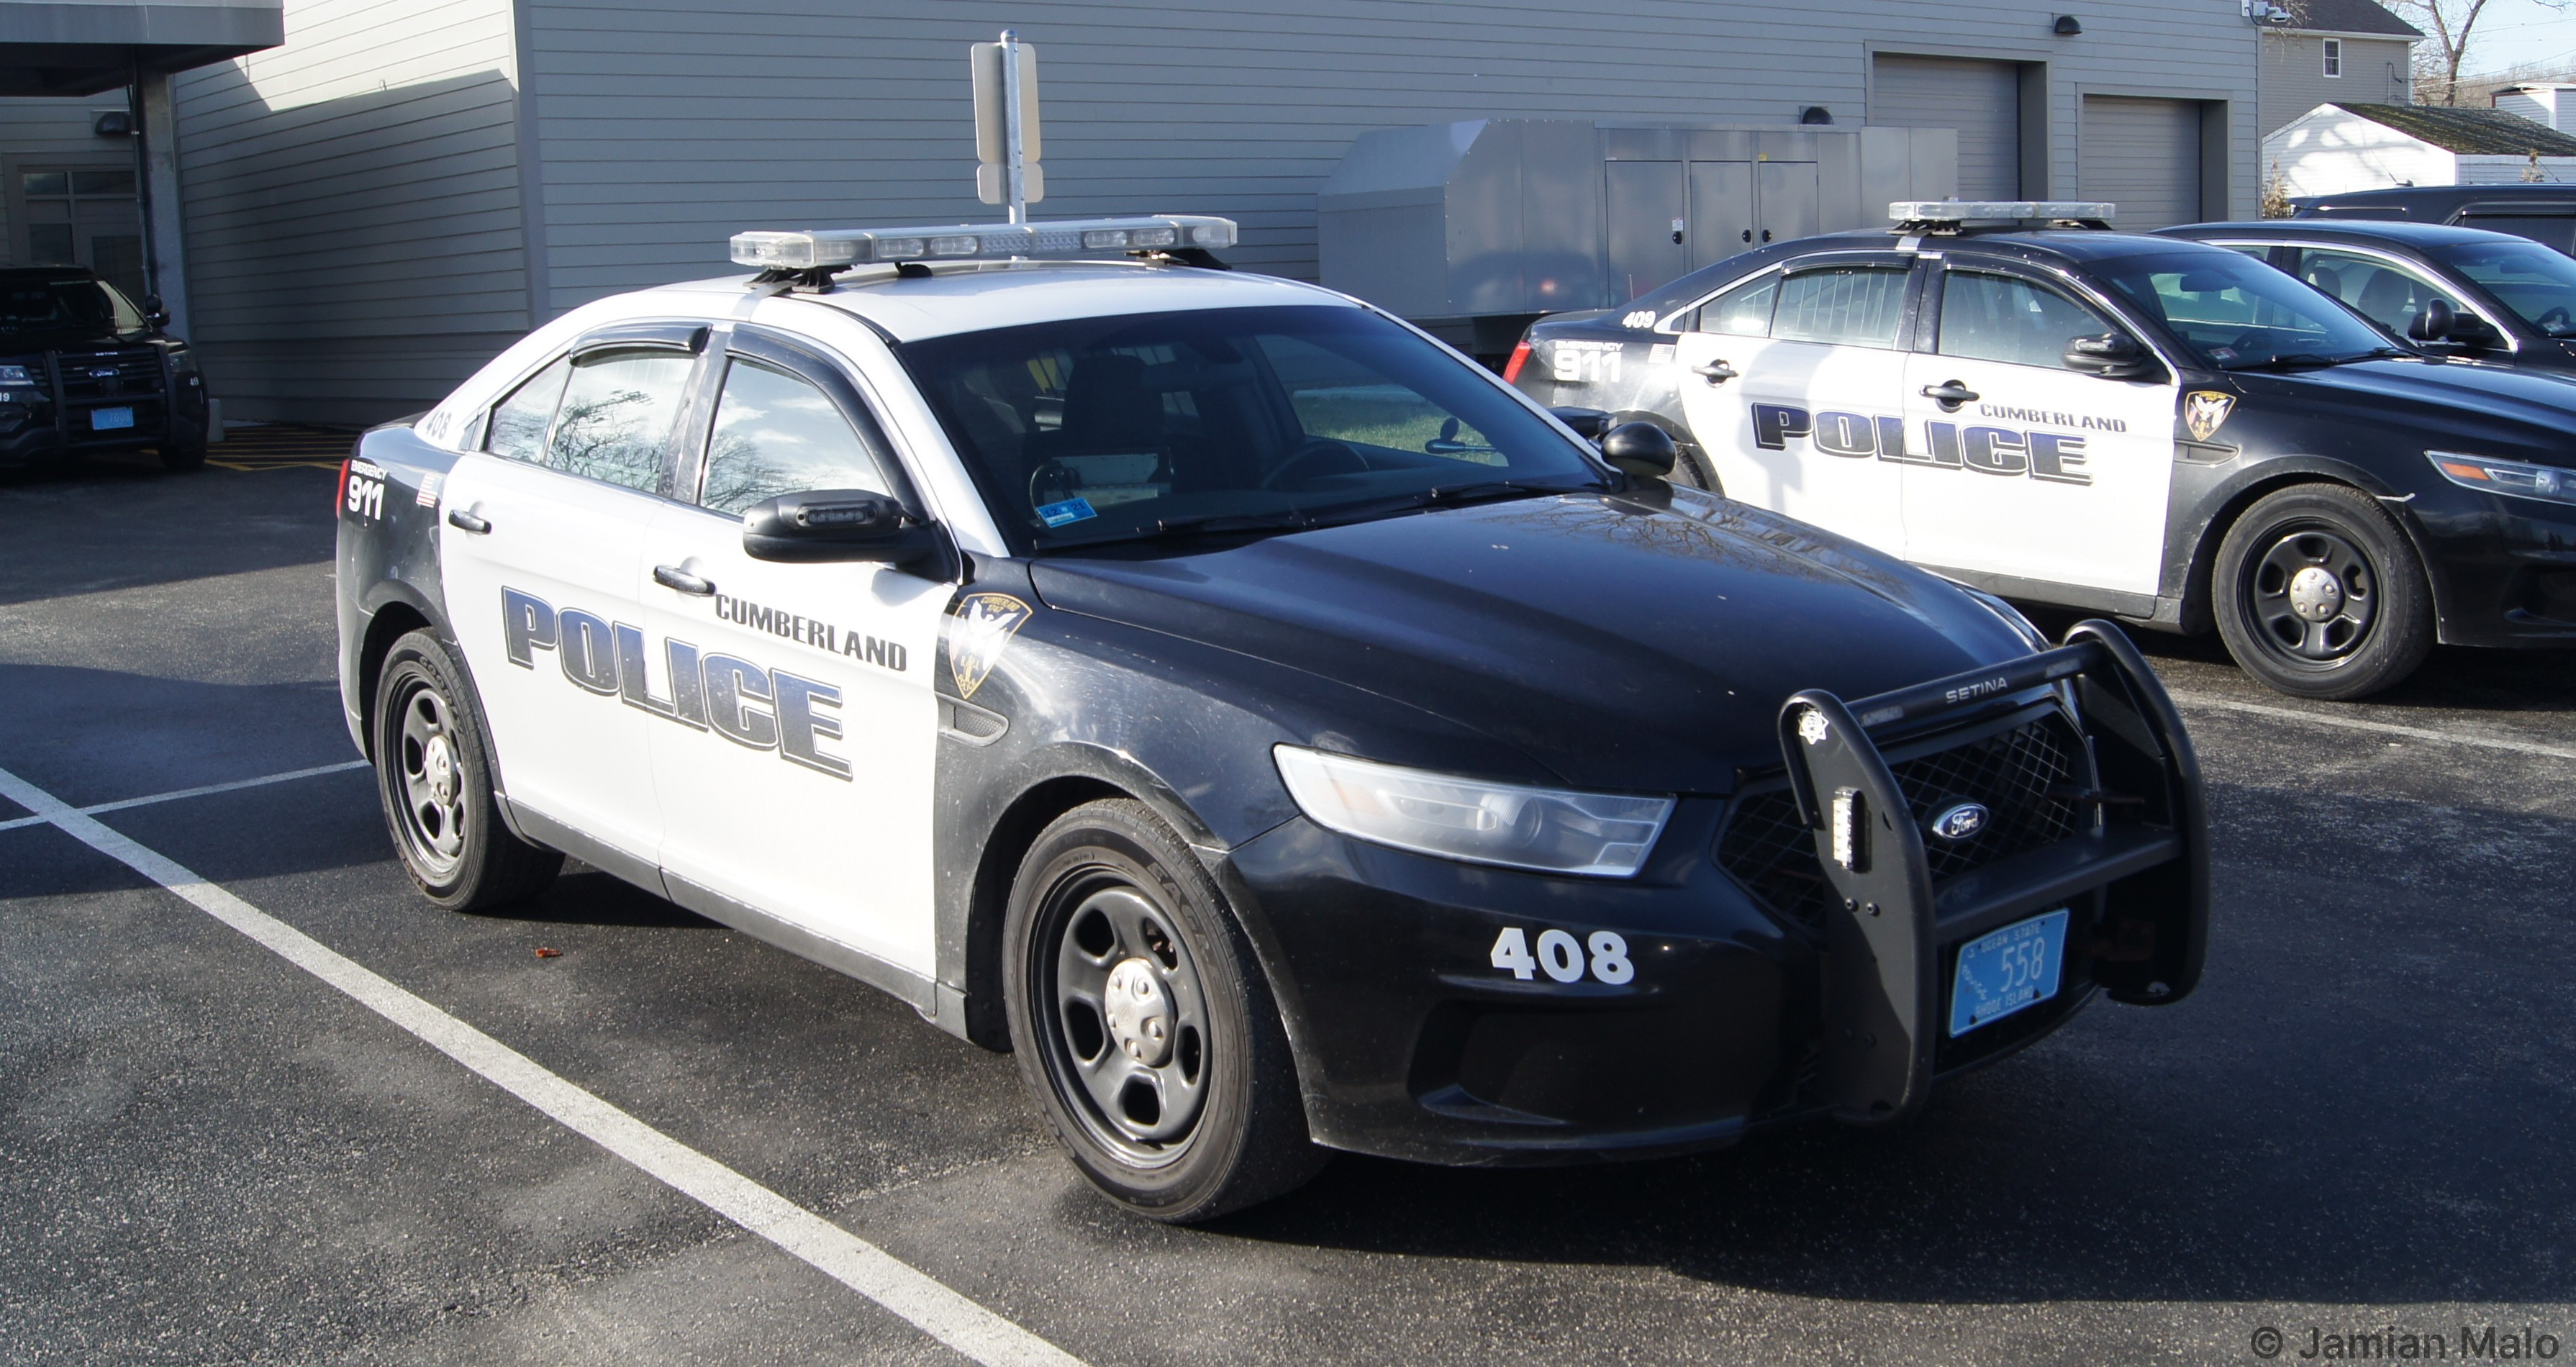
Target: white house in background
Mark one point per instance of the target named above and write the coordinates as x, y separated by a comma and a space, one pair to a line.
2339, 148
2549, 102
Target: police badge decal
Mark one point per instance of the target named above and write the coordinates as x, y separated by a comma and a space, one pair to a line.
2204, 411
980, 626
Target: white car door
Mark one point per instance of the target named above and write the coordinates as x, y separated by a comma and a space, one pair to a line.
2019, 467
795, 742
538, 553
1785, 381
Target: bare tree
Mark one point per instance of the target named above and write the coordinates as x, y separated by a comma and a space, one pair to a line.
2451, 25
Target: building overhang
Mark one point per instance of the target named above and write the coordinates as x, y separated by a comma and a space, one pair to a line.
81, 47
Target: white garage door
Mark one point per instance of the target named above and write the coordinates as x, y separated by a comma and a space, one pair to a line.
2144, 156
1980, 99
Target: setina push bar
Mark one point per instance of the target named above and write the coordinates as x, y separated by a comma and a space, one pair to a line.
2134, 871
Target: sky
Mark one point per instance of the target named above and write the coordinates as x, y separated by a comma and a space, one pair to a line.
2514, 33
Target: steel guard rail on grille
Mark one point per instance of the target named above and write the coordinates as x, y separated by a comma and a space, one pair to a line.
1886, 924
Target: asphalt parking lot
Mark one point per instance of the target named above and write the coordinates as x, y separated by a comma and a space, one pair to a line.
2365, 1118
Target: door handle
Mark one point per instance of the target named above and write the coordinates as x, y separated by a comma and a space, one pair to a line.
1766, 234
1715, 372
681, 581
1950, 394
1748, 234
464, 521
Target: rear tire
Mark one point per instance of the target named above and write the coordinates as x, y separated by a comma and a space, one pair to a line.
2318, 594
434, 779
1142, 1023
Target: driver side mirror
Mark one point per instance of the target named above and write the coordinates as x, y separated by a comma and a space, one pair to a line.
1641, 449
822, 525
2113, 356
154, 313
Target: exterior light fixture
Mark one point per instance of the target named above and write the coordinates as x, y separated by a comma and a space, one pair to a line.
1815, 113
2068, 26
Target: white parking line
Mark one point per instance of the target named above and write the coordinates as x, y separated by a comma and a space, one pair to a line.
2519, 747
854, 1262
123, 803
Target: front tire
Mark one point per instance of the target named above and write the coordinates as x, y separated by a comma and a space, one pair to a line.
434, 779
2319, 594
1142, 1023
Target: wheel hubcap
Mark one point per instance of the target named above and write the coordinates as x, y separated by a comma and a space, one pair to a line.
1129, 1046
2313, 596
432, 782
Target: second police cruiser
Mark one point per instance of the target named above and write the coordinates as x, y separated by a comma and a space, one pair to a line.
2166, 431
1279, 733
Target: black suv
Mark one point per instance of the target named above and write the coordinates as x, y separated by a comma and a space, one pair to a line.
2544, 213
83, 369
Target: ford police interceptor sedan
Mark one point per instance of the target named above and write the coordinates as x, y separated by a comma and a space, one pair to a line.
2170, 432
1277, 732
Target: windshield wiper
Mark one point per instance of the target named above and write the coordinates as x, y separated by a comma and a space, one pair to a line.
1182, 528
1454, 496
2288, 359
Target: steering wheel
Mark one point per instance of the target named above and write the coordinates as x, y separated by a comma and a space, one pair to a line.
1317, 452
2554, 319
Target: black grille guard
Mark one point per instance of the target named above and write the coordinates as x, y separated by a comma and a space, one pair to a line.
1885, 923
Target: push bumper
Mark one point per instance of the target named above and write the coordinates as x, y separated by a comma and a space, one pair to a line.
1733, 1015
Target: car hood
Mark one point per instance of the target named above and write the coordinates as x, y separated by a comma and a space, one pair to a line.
1642, 643
2526, 409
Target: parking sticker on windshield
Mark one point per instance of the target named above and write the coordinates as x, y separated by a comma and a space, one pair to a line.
1073, 509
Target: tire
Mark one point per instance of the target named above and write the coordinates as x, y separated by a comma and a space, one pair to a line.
1184, 1105
183, 453
2319, 594
434, 779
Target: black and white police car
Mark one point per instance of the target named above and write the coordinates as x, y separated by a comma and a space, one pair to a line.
2167, 431
1280, 734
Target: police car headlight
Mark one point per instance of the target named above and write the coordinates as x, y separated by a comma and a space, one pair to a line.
15, 374
2547, 483
1546, 829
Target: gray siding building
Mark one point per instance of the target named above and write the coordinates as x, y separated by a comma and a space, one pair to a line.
405, 185
2336, 52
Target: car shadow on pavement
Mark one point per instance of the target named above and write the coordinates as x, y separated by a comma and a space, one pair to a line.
2368, 1100
123, 522
584, 896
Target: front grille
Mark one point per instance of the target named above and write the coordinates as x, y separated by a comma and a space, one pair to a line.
2026, 778
126, 371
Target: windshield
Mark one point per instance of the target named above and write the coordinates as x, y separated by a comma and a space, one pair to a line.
1212, 420
67, 305
2235, 313
2536, 283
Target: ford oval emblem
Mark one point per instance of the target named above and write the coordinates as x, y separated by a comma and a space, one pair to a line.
1960, 820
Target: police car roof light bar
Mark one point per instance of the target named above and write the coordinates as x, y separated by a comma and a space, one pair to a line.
834, 248
1951, 215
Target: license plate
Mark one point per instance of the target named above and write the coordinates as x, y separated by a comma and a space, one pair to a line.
109, 419
2016, 967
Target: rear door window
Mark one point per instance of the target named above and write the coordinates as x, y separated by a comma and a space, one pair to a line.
2555, 231
1842, 305
2383, 291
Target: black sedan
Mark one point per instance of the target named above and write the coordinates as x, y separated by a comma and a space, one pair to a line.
2484, 295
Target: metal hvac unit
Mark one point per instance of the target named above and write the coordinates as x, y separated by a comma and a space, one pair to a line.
1472, 229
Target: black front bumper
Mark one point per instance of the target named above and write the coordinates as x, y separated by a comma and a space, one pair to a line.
1741, 1012
56, 418
2503, 568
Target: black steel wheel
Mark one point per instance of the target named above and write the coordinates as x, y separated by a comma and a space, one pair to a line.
1142, 1024
2320, 594
435, 782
